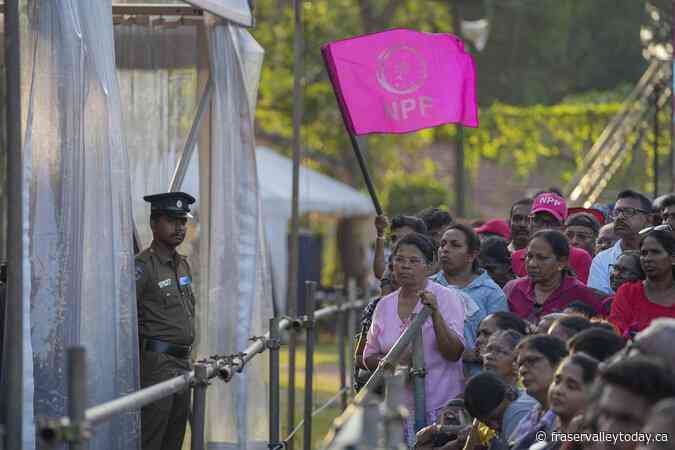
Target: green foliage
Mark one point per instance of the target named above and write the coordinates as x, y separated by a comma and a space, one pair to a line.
539, 53
555, 139
409, 194
520, 136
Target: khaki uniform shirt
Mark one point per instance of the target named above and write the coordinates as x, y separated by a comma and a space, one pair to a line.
165, 300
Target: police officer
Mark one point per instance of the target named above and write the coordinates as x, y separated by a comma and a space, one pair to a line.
166, 318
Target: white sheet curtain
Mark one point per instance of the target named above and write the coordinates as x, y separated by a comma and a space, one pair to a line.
81, 257
235, 300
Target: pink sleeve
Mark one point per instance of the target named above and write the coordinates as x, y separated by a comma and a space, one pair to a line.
518, 263
451, 308
373, 343
508, 288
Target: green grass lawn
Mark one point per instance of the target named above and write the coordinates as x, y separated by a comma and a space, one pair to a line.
326, 383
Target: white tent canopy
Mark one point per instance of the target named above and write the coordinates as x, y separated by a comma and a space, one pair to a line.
318, 193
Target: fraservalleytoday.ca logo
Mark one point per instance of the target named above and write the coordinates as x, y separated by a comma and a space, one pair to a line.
602, 436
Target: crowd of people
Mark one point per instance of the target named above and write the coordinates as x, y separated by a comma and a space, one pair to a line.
551, 329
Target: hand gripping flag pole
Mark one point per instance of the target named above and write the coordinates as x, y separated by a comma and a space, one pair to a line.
399, 81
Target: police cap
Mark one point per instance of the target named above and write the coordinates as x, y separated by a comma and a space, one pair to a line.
176, 204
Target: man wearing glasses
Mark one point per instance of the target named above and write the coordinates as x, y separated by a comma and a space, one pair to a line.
632, 212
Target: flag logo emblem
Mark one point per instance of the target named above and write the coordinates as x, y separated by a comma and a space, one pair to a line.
401, 70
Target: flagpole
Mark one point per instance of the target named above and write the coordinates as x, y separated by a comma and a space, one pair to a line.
364, 171
354, 141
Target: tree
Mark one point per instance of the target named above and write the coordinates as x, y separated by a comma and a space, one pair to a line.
538, 53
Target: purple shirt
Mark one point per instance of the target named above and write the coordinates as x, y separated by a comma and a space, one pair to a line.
521, 297
445, 379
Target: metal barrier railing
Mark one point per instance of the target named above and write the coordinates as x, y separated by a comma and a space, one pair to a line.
367, 424
76, 428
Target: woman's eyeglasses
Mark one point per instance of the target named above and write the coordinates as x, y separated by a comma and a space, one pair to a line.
413, 261
664, 227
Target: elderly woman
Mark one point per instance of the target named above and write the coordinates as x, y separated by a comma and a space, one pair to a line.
626, 270
458, 257
637, 303
499, 355
582, 231
606, 238
388, 285
548, 287
537, 358
442, 333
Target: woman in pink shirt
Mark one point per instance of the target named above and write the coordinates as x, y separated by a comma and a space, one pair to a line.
442, 333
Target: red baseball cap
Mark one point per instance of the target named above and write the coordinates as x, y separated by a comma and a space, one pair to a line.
550, 203
496, 226
592, 211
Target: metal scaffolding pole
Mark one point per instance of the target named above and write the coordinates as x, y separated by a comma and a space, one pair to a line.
77, 396
419, 373
460, 170
342, 357
657, 94
199, 405
192, 138
351, 326
390, 359
273, 345
12, 353
292, 297
310, 302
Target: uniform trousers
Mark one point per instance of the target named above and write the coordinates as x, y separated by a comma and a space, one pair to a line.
163, 422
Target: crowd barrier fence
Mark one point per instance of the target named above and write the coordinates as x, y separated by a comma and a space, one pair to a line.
77, 426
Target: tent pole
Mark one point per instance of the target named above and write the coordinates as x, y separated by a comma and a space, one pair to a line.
292, 297
192, 138
12, 354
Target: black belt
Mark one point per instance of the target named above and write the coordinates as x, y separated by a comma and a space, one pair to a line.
177, 350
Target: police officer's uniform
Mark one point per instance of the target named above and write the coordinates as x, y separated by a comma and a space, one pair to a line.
166, 324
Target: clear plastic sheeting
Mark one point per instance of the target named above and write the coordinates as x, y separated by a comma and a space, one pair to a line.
235, 301
157, 72
81, 256
237, 11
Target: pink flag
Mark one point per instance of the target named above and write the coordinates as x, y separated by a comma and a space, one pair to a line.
400, 81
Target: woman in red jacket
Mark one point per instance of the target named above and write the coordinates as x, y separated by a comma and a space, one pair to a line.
636, 304
549, 287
